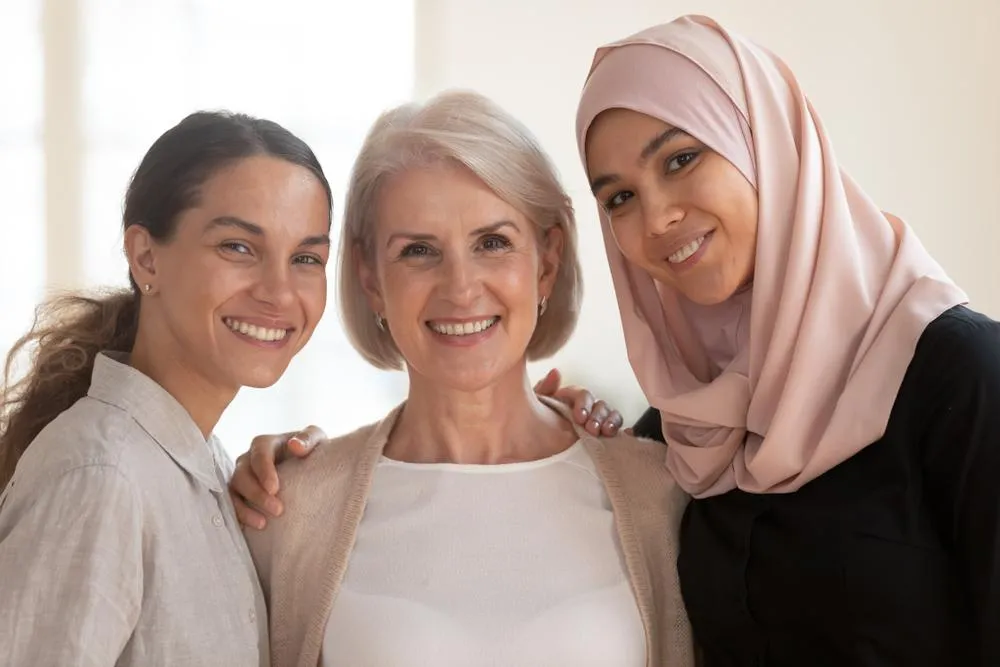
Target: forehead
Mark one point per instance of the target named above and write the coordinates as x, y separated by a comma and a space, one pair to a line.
267, 191
621, 134
441, 194
260, 183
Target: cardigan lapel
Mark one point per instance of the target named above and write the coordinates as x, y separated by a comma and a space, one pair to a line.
335, 539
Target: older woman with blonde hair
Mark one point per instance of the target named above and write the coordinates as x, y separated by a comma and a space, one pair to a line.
476, 523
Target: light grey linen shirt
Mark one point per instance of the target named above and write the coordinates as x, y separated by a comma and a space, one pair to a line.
119, 544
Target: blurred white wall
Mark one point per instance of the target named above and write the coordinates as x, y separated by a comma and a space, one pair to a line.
909, 89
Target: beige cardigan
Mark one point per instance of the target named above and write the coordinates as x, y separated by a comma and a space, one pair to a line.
301, 557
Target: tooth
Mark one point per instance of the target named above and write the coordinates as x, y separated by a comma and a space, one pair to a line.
244, 327
478, 326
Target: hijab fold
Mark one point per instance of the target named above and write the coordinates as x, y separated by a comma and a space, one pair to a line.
791, 377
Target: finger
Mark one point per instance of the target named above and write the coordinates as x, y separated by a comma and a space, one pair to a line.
264, 451
302, 443
549, 384
583, 404
598, 415
612, 423
246, 515
629, 431
250, 492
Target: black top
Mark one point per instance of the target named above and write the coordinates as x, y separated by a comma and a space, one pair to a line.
891, 558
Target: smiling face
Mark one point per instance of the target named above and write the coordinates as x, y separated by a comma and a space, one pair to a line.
241, 284
678, 210
458, 274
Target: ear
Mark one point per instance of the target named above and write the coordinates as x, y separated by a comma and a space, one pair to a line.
369, 280
140, 250
551, 259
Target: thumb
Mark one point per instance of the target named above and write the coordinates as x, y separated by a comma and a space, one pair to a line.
300, 444
549, 384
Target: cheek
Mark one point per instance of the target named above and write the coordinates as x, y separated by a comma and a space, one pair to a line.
312, 290
405, 290
629, 238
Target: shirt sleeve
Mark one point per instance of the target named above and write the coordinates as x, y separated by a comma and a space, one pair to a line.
71, 567
962, 464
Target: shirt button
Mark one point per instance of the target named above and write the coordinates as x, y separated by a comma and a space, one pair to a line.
217, 520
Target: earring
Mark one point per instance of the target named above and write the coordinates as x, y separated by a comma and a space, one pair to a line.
380, 321
543, 303
146, 288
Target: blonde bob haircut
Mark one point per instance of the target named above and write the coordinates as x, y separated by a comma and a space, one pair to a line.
469, 130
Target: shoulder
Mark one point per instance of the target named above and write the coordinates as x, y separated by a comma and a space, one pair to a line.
961, 348
328, 457
90, 434
639, 467
316, 486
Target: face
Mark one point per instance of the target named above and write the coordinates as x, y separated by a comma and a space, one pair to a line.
678, 210
458, 274
241, 285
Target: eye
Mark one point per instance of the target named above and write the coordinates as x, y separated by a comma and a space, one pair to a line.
681, 160
495, 243
416, 250
237, 247
617, 199
308, 259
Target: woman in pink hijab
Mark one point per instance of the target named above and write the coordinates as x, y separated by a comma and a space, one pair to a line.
828, 401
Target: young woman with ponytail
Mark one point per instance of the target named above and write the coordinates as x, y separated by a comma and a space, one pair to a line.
119, 544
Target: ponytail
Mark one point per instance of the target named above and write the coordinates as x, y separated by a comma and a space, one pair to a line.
68, 333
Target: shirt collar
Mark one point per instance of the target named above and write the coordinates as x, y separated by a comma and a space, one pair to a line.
157, 412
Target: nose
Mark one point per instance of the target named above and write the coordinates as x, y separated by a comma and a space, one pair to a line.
460, 281
274, 285
659, 213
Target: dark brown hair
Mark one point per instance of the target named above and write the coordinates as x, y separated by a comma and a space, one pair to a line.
70, 330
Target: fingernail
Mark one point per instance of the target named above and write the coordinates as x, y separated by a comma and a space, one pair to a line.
302, 443
583, 412
274, 507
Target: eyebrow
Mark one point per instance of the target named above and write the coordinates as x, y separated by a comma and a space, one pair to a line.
653, 145
257, 230
479, 231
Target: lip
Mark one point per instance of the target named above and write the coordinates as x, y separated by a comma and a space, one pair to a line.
693, 259
468, 340
461, 320
261, 322
679, 242
266, 322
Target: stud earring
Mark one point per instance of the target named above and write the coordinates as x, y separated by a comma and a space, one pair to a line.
543, 303
380, 321
146, 288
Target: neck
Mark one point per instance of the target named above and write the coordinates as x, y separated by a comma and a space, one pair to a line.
502, 423
161, 362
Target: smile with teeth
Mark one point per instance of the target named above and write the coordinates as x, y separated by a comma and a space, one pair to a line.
262, 334
686, 251
463, 328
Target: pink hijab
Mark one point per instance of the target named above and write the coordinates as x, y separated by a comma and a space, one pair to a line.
798, 373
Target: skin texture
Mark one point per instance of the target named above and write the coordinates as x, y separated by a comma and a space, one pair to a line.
664, 189
254, 249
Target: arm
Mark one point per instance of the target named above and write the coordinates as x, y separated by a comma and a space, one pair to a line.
71, 567
962, 468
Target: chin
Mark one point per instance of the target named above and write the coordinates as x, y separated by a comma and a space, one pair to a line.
259, 378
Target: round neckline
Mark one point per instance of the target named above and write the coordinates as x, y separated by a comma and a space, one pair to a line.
489, 468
